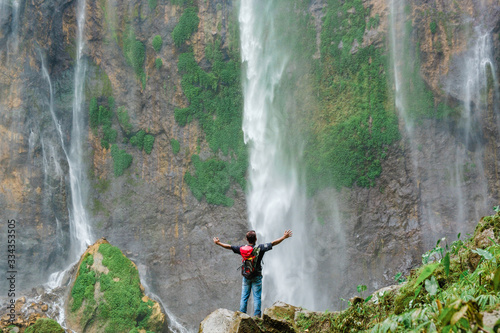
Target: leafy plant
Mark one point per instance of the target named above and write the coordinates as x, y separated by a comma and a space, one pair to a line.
121, 160
148, 143
158, 63
361, 288
188, 24
435, 253
157, 43
399, 278
175, 146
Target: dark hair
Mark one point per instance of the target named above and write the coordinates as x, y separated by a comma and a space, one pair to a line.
251, 237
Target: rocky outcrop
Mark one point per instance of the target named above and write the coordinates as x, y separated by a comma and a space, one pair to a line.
279, 318
223, 320
107, 294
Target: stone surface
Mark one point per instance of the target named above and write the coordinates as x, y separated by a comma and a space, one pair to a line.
223, 320
280, 318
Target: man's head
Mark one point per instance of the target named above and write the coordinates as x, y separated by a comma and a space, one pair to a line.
251, 237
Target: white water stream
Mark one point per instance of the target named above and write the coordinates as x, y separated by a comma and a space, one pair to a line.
460, 203
276, 199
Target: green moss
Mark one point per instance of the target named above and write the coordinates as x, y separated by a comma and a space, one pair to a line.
216, 101
176, 147
134, 52
124, 309
124, 120
83, 284
188, 24
121, 160
148, 143
433, 26
45, 325
138, 139
120, 307
157, 43
158, 63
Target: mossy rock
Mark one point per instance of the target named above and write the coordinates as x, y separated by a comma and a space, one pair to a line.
45, 325
107, 295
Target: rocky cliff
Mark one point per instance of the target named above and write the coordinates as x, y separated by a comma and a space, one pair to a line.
145, 131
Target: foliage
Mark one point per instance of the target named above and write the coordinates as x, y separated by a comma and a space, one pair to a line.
157, 43
176, 147
433, 26
134, 52
444, 296
188, 24
121, 307
353, 127
84, 283
138, 139
149, 140
215, 100
212, 180
158, 63
124, 120
45, 325
121, 160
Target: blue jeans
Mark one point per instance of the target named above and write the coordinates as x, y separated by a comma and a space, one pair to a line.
255, 285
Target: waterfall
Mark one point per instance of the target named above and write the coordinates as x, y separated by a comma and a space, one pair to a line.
79, 227
276, 199
447, 163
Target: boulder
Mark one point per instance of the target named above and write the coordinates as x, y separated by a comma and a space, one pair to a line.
223, 320
280, 317
107, 293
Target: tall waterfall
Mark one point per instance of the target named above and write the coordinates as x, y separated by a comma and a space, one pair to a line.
276, 199
79, 225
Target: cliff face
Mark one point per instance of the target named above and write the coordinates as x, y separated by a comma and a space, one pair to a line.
147, 208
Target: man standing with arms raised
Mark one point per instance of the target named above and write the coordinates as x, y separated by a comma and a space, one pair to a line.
252, 267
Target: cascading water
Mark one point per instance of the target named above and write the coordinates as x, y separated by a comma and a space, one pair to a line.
79, 225
276, 199
453, 195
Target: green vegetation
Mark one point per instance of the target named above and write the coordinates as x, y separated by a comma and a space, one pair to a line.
433, 26
152, 4
84, 284
449, 294
124, 120
216, 101
176, 147
121, 160
45, 325
188, 24
102, 116
120, 307
353, 125
157, 43
135, 53
158, 63
149, 140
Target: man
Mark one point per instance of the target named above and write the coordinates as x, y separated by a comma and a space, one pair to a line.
254, 282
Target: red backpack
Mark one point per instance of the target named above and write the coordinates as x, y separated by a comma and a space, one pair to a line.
249, 255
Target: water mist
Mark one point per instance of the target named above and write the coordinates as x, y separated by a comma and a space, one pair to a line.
276, 199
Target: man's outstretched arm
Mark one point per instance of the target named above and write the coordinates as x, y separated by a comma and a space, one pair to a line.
287, 234
218, 242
